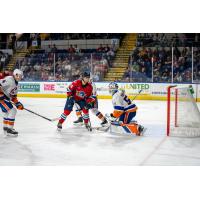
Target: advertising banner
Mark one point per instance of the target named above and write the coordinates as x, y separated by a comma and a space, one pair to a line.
48, 87
149, 90
29, 87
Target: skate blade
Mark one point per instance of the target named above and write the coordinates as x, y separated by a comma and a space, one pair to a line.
89, 129
102, 128
78, 125
11, 135
59, 130
144, 130
105, 125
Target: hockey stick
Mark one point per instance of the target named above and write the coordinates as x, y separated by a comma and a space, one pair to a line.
51, 120
39, 115
32, 111
136, 95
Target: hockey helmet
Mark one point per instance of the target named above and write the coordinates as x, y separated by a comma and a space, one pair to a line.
86, 74
113, 87
18, 72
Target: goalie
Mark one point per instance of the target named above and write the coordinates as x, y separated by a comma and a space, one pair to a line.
124, 112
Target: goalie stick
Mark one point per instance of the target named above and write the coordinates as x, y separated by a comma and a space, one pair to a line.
136, 95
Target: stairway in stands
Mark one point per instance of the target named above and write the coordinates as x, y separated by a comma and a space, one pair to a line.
18, 55
120, 62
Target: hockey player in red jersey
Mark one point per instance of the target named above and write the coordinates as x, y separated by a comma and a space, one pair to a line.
94, 108
78, 92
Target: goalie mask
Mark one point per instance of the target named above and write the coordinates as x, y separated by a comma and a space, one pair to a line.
113, 88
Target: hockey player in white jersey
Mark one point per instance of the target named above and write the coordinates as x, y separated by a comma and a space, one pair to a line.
93, 108
8, 97
124, 112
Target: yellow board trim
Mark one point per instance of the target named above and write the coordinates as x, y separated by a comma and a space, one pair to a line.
141, 97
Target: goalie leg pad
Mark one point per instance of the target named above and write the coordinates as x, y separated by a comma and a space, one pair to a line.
127, 117
127, 129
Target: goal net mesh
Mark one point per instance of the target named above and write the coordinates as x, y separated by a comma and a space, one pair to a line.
183, 113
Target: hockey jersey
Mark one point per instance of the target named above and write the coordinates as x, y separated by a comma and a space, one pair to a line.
3, 75
122, 103
9, 87
79, 91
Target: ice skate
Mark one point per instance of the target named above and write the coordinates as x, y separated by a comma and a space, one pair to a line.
141, 130
78, 122
88, 127
104, 123
11, 132
59, 127
5, 130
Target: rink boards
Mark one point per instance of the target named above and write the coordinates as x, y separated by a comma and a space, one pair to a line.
150, 91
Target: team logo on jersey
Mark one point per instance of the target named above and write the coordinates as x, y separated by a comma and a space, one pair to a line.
13, 91
80, 94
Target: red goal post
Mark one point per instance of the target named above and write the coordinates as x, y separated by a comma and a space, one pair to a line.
183, 116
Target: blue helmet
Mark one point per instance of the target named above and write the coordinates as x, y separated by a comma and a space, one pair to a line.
113, 87
86, 74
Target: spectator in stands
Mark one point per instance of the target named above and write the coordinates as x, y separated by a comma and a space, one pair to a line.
126, 76
111, 53
76, 49
3, 60
37, 67
54, 49
71, 49
164, 39
48, 49
100, 49
107, 48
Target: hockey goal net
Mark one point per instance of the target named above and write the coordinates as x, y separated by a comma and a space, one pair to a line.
183, 116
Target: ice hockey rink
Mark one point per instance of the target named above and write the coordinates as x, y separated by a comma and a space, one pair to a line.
40, 144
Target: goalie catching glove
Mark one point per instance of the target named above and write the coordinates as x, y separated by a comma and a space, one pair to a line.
110, 117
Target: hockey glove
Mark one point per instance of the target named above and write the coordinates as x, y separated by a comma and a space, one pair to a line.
110, 117
19, 106
89, 105
71, 98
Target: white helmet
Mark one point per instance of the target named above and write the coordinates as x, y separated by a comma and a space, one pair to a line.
18, 72
113, 87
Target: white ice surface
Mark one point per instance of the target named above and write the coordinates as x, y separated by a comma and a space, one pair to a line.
39, 143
